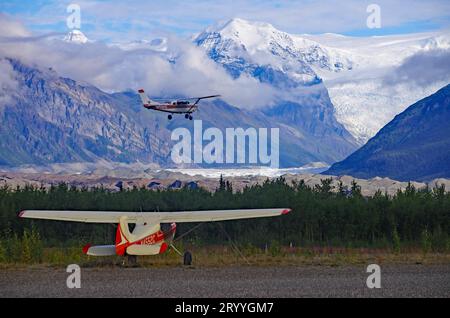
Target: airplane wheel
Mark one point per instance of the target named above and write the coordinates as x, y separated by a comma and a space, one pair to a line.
169, 117
190, 117
187, 258
186, 116
132, 260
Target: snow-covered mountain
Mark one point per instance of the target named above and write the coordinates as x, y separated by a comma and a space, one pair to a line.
46, 118
76, 36
359, 73
364, 76
57, 119
287, 63
273, 56
415, 145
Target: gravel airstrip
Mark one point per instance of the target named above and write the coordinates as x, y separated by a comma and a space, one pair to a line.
235, 281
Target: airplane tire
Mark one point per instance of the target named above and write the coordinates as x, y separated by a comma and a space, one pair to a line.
186, 116
187, 258
169, 117
190, 117
132, 260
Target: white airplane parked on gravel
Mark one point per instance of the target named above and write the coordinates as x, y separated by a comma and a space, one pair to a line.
153, 231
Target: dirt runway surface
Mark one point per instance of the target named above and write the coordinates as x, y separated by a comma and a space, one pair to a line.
302, 281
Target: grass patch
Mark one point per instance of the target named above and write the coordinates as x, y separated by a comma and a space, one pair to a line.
218, 256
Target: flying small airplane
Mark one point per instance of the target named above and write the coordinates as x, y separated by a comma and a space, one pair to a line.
153, 232
183, 106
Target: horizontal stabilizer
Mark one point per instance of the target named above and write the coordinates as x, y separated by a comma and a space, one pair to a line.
100, 250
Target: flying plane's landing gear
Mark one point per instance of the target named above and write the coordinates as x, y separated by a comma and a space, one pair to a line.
169, 117
186, 116
190, 117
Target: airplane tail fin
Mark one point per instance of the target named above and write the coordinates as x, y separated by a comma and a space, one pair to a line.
145, 100
123, 236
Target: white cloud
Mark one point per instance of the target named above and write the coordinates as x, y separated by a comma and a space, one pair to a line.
11, 27
423, 68
114, 69
8, 82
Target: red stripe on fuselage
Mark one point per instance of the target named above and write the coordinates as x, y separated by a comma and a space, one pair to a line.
158, 237
154, 238
171, 108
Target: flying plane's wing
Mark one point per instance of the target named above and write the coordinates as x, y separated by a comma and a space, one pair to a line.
198, 99
151, 217
182, 98
204, 97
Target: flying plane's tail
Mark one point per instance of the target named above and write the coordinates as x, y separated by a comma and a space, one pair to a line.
145, 100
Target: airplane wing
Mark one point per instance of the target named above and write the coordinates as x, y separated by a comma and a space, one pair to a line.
198, 99
204, 97
189, 98
151, 217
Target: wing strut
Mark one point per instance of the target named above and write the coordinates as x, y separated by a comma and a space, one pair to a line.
198, 99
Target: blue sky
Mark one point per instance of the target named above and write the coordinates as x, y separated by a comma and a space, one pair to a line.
129, 20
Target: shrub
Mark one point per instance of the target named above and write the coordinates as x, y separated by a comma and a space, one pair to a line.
275, 248
395, 241
425, 241
3, 258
